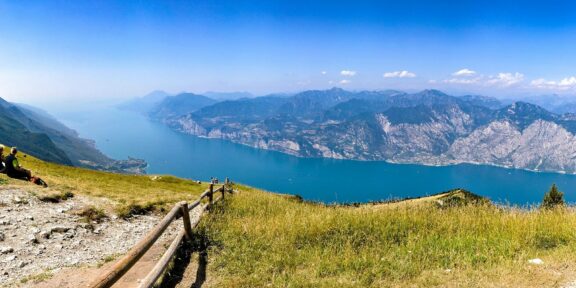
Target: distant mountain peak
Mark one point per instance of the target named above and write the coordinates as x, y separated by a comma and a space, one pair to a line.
227, 95
525, 107
156, 93
522, 114
433, 92
336, 89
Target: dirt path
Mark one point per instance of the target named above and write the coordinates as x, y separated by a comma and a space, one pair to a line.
45, 244
80, 277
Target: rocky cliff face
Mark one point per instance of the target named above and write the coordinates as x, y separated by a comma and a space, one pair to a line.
426, 128
543, 145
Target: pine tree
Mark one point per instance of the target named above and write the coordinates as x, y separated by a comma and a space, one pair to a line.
553, 198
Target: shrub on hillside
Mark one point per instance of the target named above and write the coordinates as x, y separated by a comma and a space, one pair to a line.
56, 197
92, 214
553, 198
127, 211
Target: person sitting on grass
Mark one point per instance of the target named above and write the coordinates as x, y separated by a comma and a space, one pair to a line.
13, 169
2, 166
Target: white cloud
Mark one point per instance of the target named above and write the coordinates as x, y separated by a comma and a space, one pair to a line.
568, 82
564, 84
505, 79
345, 81
476, 80
348, 73
323, 72
464, 72
399, 74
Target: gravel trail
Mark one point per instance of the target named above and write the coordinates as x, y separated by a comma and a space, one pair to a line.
45, 238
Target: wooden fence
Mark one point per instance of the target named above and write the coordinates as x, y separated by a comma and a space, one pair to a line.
108, 278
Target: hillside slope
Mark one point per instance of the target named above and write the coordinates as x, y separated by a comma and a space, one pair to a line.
15, 133
259, 239
103, 217
45, 137
151, 192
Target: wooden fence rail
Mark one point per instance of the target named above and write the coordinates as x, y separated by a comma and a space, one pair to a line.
181, 209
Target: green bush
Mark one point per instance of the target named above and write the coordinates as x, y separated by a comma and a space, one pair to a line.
553, 198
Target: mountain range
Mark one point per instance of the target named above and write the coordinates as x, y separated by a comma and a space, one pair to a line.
428, 127
41, 135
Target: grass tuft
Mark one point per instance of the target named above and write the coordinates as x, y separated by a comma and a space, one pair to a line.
36, 278
127, 211
56, 197
92, 214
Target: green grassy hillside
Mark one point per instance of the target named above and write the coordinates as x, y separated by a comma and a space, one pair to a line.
122, 191
261, 239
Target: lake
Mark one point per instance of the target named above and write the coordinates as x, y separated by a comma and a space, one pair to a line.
120, 134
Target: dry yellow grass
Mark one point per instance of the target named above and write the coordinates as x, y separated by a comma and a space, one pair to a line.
153, 192
260, 239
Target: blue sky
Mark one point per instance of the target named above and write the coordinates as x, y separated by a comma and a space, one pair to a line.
89, 50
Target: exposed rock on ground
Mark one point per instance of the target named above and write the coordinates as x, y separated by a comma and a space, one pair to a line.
39, 237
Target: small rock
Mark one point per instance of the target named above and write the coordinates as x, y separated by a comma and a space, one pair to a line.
31, 239
35, 230
6, 250
29, 217
22, 264
60, 229
2, 237
536, 261
11, 258
59, 247
44, 234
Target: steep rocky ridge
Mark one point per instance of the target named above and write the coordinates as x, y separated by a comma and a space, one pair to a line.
429, 127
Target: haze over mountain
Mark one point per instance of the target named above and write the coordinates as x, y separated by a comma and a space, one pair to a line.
178, 105
160, 104
428, 127
145, 103
553, 102
227, 95
41, 135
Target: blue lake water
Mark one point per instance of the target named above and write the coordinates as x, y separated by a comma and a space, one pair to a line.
120, 134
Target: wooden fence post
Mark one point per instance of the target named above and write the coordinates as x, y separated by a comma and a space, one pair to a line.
186, 219
211, 194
